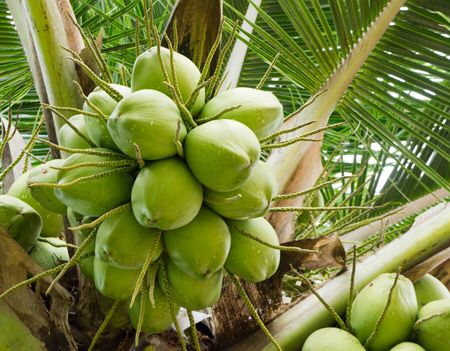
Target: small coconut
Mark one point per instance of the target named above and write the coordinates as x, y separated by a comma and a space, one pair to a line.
201, 246
52, 223
96, 128
20, 221
97, 196
369, 305
335, 339
150, 120
157, 318
192, 293
49, 254
432, 329
68, 138
123, 242
113, 282
429, 288
407, 346
166, 195
221, 154
45, 173
259, 110
249, 259
250, 200
147, 74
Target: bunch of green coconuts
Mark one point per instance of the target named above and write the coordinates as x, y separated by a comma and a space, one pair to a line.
419, 312
187, 195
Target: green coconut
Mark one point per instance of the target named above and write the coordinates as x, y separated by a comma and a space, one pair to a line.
113, 282
67, 137
407, 346
123, 242
50, 254
429, 288
250, 200
86, 263
157, 318
147, 74
432, 329
259, 110
166, 195
369, 305
335, 339
20, 220
96, 128
249, 259
192, 293
52, 223
221, 154
150, 120
45, 173
201, 246
93, 197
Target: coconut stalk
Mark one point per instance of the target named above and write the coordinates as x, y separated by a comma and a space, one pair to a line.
44, 29
293, 327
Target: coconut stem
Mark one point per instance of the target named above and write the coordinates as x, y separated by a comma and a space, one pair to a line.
185, 114
252, 310
376, 329
218, 115
285, 131
104, 324
73, 260
175, 34
45, 240
117, 163
308, 103
302, 137
104, 117
191, 100
138, 152
75, 110
26, 149
151, 277
351, 295
148, 260
148, 23
220, 60
123, 72
141, 315
103, 217
83, 179
165, 280
113, 93
137, 44
32, 280
272, 246
267, 73
75, 129
178, 143
5, 137
94, 51
308, 191
79, 151
173, 69
193, 331
330, 309
331, 208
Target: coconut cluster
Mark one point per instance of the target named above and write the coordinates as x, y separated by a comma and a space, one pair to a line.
392, 314
177, 182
